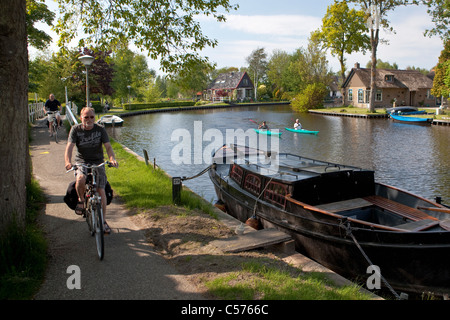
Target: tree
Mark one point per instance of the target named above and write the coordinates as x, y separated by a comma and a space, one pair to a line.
37, 11
277, 70
193, 80
131, 69
310, 66
14, 154
376, 12
383, 65
440, 88
257, 65
166, 29
343, 32
439, 10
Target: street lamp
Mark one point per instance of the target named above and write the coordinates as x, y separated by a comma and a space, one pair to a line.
87, 61
129, 93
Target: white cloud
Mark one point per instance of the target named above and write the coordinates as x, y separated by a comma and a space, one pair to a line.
273, 25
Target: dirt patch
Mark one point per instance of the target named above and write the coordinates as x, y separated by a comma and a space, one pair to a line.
183, 237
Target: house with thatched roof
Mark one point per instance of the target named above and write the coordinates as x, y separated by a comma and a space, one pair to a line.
405, 87
236, 86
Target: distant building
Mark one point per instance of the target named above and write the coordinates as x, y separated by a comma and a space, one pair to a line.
236, 86
405, 87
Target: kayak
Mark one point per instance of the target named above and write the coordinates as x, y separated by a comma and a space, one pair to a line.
302, 131
268, 132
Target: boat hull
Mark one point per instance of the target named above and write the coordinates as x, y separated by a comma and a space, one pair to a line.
302, 131
412, 120
268, 132
411, 262
111, 121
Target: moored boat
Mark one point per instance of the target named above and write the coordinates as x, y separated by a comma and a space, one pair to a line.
405, 110
339, 216
302, 131
111, 120
411, 120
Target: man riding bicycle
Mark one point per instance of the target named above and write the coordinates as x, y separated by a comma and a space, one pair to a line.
52, 105
89, 138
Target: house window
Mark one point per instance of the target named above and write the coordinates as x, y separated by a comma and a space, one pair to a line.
389, 78
253, 184
350, 94
379, 95
276, 193
360, 96
429, 95
236, 173
367, 95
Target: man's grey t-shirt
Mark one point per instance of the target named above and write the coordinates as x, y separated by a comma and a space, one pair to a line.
89, 143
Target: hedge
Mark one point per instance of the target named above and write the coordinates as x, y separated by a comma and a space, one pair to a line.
172, 104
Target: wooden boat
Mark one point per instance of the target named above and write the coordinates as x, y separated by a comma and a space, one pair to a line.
302, 131
406, 110
339, 216
268, 132
411, 120
111, 120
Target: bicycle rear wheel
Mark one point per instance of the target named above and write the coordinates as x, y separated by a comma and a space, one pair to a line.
97, 213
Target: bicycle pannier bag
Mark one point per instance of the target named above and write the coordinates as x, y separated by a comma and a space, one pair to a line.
71, 197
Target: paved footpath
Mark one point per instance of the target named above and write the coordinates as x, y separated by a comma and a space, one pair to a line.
130, 270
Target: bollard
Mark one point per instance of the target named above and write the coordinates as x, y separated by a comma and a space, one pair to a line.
176, 190
145, 156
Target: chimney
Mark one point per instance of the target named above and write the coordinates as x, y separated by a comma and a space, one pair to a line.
357, 65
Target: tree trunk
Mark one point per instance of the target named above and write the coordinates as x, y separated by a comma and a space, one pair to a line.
14, 155
373, 71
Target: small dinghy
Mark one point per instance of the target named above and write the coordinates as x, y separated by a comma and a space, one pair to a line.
111, 121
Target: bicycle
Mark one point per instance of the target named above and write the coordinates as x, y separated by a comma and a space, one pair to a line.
54, 123
93, 211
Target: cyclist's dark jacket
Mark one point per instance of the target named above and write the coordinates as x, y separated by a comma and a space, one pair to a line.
89, 143
52, 105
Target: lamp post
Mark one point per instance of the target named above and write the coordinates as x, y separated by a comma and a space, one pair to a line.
87, 61
129, 93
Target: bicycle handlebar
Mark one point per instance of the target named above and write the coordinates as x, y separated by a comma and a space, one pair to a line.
89, 166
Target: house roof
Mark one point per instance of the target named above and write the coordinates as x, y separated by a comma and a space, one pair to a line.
409, 79
230, 80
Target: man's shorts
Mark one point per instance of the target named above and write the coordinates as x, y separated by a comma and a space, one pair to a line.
54, 114
101, 175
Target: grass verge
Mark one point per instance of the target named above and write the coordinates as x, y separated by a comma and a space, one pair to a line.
23, 252
142, 187
257, 281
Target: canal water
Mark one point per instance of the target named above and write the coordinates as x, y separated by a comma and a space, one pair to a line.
410, 157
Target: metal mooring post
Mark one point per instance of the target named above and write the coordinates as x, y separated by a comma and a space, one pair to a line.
176, 190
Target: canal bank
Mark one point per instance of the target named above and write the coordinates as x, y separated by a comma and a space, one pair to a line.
437, 122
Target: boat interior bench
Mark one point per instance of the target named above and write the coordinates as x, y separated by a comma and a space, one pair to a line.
345, 205
398, 208
420, 220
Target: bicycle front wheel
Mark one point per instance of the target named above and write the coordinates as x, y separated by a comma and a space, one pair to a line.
98, 230
55, 132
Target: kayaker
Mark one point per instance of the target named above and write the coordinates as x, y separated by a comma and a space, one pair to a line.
297, 125
263, 126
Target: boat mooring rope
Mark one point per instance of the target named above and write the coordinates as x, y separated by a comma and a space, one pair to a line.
200, 173
348, 230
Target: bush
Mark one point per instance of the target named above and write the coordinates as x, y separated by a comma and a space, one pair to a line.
311, 98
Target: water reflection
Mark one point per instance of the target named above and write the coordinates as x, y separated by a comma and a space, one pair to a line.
413, 158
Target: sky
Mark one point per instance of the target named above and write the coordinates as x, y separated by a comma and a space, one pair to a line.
286, 25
